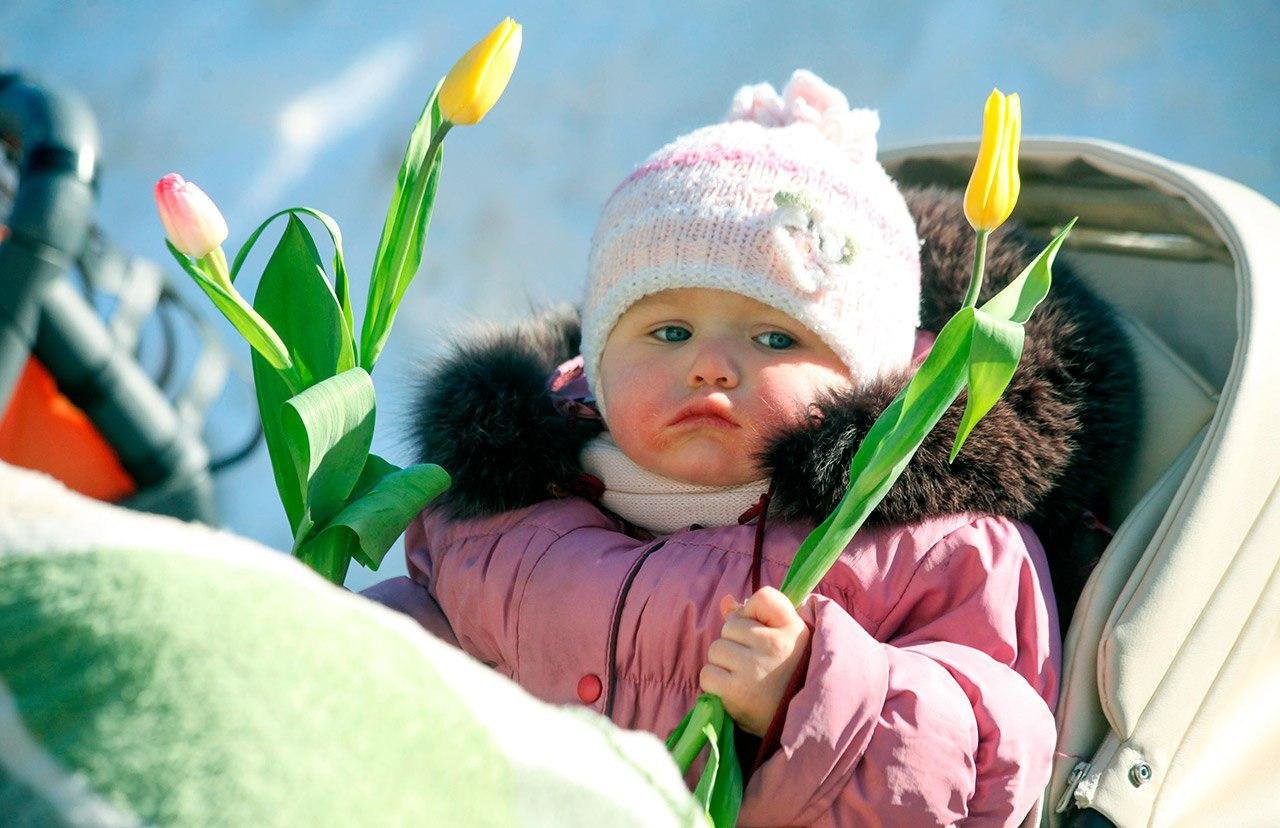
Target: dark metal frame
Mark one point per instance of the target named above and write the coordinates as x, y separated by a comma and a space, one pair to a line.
42, 312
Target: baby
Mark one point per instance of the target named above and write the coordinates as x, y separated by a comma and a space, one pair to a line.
628, 495
695, 378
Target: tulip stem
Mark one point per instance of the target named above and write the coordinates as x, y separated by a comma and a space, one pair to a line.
212, 267
691, 741
215, 262
979, 264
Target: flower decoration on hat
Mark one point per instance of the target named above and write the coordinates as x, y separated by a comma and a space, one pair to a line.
810, 243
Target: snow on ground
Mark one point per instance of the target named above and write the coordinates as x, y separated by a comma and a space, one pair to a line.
274, 103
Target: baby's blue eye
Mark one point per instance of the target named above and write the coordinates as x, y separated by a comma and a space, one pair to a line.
776, 340
672, 333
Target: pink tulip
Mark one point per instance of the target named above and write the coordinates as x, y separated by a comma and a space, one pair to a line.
191, 220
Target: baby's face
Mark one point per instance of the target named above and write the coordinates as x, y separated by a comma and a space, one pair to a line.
695, 379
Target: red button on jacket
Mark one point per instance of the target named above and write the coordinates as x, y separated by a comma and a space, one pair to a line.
589, 688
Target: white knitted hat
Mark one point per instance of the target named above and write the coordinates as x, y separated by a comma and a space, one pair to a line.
783, 202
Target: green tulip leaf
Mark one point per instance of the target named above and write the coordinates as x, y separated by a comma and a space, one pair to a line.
898, 433
404, 232
272, 392
720, 786
379, 509
994, 351
341, 282
295, 298
929, 383
882, 456
726, 791
706, 782
329, 428
1020, 297
328, 554
375, 468
256, 330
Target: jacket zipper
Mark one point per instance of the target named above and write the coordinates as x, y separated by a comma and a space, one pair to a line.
1073, 781
611, 665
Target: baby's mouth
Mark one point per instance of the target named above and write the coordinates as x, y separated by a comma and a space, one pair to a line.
707, 412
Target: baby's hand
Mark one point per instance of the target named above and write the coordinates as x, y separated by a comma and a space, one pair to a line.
749, 665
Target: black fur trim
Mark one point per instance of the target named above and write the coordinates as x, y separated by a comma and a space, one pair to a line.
484, 415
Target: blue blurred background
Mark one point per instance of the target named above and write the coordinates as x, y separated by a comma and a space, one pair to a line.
275, 103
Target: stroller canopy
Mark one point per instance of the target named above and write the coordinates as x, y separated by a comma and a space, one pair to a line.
1175, 635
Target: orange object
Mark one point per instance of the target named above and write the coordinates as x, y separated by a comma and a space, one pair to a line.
44, 431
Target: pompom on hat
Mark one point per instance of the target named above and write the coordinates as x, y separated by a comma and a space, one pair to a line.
783, 202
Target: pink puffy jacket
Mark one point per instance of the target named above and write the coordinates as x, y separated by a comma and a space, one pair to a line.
931, 681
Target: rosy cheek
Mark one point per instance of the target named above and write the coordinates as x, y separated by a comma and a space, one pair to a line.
778, 404
786, 391
636, 405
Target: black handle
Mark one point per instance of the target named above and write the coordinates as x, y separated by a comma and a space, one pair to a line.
42, 313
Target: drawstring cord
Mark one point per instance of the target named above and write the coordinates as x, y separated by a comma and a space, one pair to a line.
767, 745
759, 511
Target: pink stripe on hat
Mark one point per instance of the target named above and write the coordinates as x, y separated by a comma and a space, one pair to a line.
759, 157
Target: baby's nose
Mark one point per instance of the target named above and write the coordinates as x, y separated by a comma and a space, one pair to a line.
713, 366
722, 380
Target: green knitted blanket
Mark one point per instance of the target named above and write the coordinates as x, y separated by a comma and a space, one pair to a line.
158, 672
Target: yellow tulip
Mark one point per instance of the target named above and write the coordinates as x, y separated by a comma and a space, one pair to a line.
994, 185
477, 80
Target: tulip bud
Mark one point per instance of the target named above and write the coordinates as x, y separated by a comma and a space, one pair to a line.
478, 79
994, 185
191, 220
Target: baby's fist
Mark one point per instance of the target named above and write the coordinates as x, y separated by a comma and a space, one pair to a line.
749, 665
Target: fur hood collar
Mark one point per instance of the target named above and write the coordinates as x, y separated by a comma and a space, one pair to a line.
1041, 454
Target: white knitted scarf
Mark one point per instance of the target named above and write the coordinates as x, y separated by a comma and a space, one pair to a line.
658, 503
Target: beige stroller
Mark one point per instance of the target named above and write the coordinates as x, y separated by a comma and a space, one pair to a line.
1172, 660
